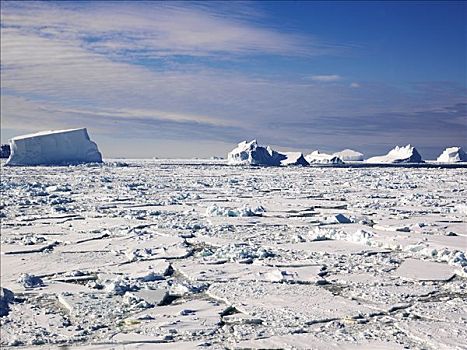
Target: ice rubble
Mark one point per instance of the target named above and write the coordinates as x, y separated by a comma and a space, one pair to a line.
250, 153
4, 151
452, 155
349, 155
407, 154
6, 298
245, 210
316, 157
54, 147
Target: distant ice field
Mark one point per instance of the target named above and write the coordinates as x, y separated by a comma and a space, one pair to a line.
194, 254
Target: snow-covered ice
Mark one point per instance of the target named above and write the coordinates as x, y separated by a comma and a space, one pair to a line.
452, 155
54, 147
164, 254
406, 154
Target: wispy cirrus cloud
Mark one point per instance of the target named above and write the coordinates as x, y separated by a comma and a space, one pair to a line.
156, 29
326, 78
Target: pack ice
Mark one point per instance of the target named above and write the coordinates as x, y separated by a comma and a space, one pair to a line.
54, 147
452, 155
322, 158
349, 155
250, 153
407, 154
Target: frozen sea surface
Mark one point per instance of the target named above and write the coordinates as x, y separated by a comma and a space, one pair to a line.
161, 254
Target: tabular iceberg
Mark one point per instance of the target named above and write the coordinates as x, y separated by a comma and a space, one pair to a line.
316, 157
55, 147
407, 154
250, 153
349, 155
452, 155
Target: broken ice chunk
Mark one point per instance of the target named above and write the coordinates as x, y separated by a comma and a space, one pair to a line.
30, 281
6, 298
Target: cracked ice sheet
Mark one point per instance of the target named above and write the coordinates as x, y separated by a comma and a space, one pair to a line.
312, 342
285, 304
331, 247
422, 270
118, 199
12, 266
382, 292
248, 272
188, 317
439, 335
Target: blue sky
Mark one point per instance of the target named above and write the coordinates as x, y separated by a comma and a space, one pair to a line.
184, 79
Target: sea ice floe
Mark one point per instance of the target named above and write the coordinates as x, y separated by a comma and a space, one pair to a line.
280, 274
297, 304
422, 270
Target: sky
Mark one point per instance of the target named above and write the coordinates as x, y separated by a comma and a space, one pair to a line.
193, 79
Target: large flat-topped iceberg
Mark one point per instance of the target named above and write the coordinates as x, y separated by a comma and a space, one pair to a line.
407, 154
452, 155
54, 147
316, 157
349, 155
250, 153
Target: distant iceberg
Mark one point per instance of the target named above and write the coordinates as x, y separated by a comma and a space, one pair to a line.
452, 155
250, 153
349, 155
55, 147
287, 158
316, 157
407, 154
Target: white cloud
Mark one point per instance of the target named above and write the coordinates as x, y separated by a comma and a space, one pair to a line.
326, 78
354, 85
155, 29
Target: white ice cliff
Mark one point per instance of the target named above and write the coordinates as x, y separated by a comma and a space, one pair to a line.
55, 147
